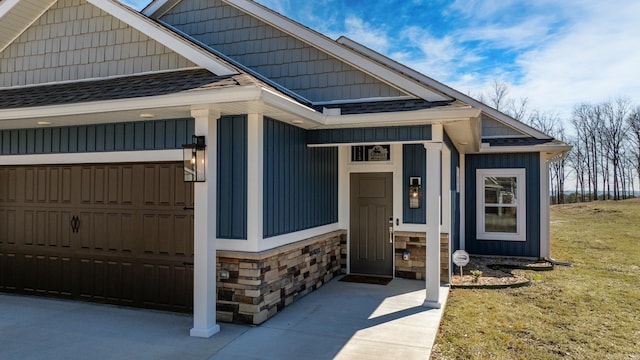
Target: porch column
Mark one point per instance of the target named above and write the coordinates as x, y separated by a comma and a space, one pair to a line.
432, 192
204, 249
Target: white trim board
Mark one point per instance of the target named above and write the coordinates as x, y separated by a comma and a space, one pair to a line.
93, 157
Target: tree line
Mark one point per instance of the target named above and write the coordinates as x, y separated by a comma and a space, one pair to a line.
605, 160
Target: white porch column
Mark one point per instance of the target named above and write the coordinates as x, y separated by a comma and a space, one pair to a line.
432, 274
255, 185
545, 233
204, 259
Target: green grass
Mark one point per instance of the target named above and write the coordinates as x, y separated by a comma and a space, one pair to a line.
588, 311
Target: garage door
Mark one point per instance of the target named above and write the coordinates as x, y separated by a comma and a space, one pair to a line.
113, 233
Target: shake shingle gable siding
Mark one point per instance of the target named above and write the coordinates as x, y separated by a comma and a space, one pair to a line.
119, 88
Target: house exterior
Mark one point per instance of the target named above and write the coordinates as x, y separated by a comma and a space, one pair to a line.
323, 157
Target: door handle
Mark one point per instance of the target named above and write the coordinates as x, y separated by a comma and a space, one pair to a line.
390, 234
75, 224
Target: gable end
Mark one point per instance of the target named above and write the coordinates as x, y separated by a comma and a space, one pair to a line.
71, 42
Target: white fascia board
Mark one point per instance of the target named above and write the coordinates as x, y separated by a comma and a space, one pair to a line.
323, 43
170, 40
443, 88
5, 8
542, 148
402, 118
245, 93
286, 104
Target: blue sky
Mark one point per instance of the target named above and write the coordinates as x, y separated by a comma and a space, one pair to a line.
554, 53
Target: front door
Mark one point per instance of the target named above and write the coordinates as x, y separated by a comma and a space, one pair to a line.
371, 207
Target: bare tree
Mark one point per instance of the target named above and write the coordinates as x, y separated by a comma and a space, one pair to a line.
614, 132
498, 95
634, 138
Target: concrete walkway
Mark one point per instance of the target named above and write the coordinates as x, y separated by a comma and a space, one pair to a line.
340, 320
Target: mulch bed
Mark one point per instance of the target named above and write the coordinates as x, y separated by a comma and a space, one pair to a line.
497, 273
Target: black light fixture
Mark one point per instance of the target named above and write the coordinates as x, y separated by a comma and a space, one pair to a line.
193, 156
415, 189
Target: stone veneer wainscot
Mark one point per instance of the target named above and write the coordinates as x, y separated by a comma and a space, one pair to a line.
261, 284
415, 243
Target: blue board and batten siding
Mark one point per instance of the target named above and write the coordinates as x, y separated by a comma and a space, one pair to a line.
126, 136
300, 183
383, 134
414, 163
454, 231
531, 163
232, 177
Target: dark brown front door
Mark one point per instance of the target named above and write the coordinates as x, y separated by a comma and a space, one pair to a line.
114, 233
371, 207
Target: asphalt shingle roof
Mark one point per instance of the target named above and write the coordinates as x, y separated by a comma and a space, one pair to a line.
134, 86
370, 107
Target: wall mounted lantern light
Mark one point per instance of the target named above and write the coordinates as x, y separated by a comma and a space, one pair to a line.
194, 160
415, 190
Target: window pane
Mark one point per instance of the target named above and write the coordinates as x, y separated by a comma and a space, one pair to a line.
500, 219
500, 190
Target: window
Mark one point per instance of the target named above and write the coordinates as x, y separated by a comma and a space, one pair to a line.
500, 197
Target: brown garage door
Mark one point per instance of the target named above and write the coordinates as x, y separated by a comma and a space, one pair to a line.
114, 233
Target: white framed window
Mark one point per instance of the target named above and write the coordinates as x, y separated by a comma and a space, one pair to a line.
501, 204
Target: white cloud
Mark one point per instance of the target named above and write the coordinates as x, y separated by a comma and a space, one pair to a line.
595, 59
359, 30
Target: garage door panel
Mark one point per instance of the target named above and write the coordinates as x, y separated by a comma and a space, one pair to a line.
28, 229
183, 294
67, 284
99, 279
41, 185
164, 292
54, 185
66, 185
114, 229
130, 248
29, 186
41, 227
4, 185
127, 185
86, 285
130, 232
65, 229
113, 187
8, 278
150, 233
98, 232
182, 237
165, 185
29, 275
12, 227
150, 187
53, 229
86, 188
165, 234
99, 185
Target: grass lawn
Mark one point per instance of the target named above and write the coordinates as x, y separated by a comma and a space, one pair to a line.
588, 311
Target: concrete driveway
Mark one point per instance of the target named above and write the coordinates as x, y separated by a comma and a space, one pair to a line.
340, 320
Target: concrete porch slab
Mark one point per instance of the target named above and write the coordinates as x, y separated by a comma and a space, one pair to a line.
340, 320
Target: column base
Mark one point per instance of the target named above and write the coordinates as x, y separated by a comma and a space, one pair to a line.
205, 333
432, 304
